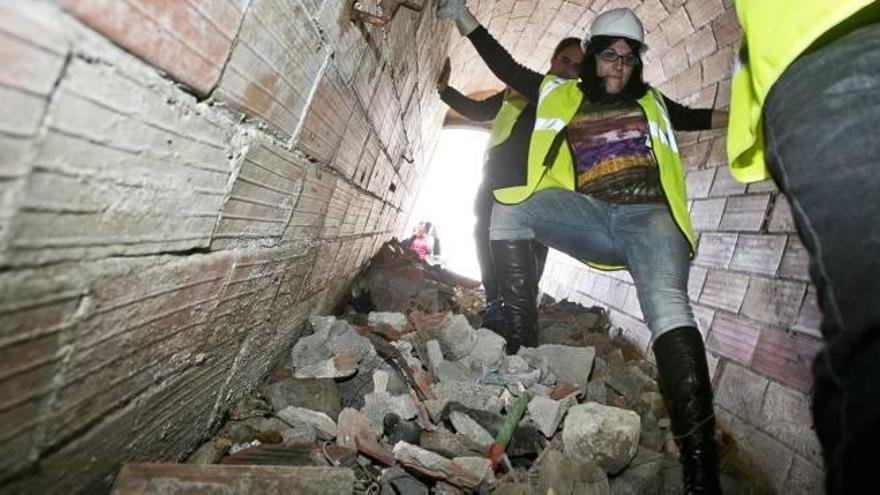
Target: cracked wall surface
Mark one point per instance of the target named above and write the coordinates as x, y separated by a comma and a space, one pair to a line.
183, 183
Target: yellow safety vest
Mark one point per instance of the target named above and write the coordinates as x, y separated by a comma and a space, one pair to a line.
510, 110
558, 102
775, 33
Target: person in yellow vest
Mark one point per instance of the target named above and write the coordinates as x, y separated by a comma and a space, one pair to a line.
605, 185
805, 111
506, 156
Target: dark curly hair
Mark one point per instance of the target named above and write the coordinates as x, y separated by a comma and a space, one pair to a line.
591, 84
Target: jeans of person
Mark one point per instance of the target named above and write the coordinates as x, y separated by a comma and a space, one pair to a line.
822, 137
483, 211
642, 237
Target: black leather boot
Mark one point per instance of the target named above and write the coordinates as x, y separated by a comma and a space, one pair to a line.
687, 389
516, 276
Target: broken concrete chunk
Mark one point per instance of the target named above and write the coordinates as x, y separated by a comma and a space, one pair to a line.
376, 406
396, 321
457, 337
624, 384
653, 437
540, 390
466, 426
436, 466
488, 350
571, 364
316, 394
332, 337
435, 355
515, 364
558, 473
323, 425
449, 371
341, 365
596, 392
605, 435
449, 444
473, 395
299, 432
548, 413
643, 475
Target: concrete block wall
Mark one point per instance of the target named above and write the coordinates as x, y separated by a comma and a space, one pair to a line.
181, 185
749, 285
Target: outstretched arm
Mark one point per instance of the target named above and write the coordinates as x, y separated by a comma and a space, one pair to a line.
694, 119
475, 110
523, 80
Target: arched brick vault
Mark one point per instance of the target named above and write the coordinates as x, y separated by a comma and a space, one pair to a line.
182, 183
690, 43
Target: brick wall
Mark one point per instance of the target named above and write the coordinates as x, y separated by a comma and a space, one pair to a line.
181, 185
749, 285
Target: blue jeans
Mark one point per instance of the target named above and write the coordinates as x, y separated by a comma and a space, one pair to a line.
642, 237
822, 132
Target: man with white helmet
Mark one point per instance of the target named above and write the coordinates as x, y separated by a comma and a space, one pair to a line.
605, 185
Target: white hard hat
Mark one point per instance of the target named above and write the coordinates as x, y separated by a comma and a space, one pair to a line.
619, 23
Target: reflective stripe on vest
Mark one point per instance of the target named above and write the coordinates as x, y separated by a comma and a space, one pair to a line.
775, 33
560, 101
511, 108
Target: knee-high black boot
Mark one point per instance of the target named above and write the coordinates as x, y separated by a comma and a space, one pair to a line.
516, 277
684, 380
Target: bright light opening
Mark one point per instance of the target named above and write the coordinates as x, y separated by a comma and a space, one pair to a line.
446, 197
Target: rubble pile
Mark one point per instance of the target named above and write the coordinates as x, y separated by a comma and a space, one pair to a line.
413, 398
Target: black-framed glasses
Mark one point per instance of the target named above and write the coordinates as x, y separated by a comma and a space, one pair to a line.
610, 55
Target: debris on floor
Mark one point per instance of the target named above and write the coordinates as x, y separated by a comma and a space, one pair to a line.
405, 393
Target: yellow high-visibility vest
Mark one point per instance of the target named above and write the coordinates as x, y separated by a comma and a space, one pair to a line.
558, 102
511, 108
775, 33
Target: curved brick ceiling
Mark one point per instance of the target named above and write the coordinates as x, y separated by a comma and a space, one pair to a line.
691, 42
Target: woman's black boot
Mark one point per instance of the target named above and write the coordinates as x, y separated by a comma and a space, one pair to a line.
516, 276
687, 389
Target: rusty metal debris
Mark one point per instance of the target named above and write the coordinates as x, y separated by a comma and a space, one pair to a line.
387, 10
